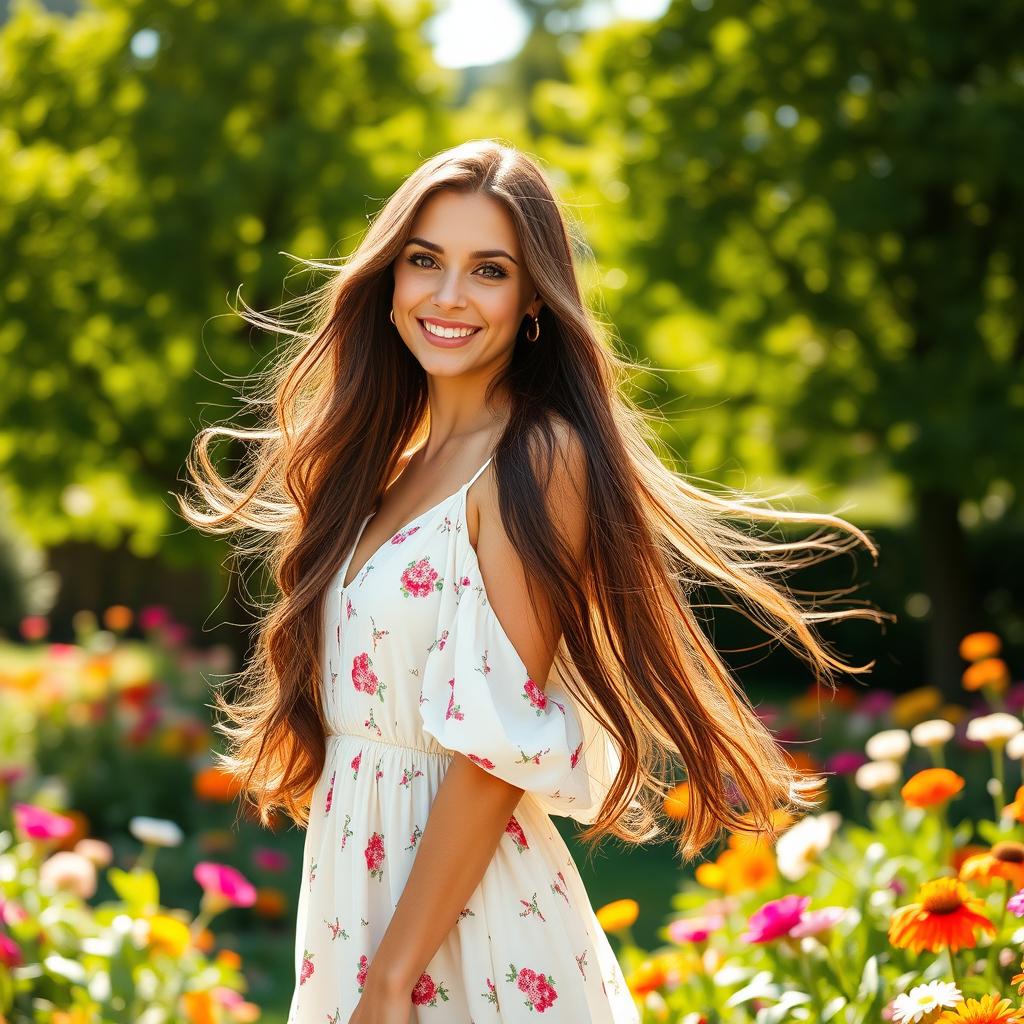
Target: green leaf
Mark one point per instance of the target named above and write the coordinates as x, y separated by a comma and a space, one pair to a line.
140, 890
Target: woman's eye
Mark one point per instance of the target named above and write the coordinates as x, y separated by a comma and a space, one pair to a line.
499, 271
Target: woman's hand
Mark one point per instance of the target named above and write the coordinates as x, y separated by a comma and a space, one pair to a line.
382, 1003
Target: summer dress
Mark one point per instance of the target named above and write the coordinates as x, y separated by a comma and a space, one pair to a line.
416, 665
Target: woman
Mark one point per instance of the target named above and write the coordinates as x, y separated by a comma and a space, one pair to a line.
484, 617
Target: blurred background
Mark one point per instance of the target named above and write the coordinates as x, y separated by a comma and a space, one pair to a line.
805, 218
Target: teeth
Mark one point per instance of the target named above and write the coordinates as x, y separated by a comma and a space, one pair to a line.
448, 332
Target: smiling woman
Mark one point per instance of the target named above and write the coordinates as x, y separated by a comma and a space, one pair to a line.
487, 616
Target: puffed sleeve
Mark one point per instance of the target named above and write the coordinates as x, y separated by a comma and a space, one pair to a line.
478, 699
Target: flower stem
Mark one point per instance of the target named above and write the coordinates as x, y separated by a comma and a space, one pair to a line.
952, 968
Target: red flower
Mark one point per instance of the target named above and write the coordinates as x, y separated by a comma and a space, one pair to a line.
482, 761
424, 991
535, 695
420, 579
374, 854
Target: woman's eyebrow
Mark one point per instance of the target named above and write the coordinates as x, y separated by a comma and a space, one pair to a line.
479, 253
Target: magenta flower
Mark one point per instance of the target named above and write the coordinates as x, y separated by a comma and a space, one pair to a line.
10, 951
876, 703
846, 762
1015, 904
39, 823
224, 884
775, 919
268, 859
152, 616
814, 922
694, 929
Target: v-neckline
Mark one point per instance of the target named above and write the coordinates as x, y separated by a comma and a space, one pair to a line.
346, 587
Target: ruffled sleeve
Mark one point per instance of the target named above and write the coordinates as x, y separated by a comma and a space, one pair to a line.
478, 699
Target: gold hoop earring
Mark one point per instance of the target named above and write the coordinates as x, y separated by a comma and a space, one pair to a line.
391, 316
536, 330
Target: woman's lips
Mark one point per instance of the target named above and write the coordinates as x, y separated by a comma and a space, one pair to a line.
446, 342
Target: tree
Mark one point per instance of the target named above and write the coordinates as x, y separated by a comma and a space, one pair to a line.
817, 210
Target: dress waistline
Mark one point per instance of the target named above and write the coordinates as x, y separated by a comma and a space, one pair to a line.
363, 738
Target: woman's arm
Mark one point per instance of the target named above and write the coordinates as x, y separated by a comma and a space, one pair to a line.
468, 816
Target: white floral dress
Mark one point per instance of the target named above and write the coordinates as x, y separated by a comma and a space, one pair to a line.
416, 665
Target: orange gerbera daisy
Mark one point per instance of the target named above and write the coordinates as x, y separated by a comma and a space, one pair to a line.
976, 646
1004, 860
931, 786
987, 1010
1018, 980
990, 672
945, 916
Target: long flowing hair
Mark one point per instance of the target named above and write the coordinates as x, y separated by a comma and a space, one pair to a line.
342, 404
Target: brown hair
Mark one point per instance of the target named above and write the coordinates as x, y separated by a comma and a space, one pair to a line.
347, 399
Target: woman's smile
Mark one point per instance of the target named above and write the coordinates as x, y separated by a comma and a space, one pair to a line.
441, 342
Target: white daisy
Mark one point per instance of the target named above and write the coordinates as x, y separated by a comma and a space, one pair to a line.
922, 1000
888, 745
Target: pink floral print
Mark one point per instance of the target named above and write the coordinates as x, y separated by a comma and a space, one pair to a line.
364, 678
420, 579
427, 993
374, 854
538, 988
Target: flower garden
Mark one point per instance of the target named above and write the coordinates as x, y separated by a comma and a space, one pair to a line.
900, 901
129, 892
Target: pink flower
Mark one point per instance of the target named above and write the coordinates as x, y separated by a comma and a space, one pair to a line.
69, 872
694, 929
39, 823
363, 676
10, 951
152, 616
1015, 904
424, 990
775, 919
483, 762
34, 627
224, 884
814, 922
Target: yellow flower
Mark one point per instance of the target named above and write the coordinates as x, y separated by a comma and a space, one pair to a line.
915, 705
617, 915
169, 934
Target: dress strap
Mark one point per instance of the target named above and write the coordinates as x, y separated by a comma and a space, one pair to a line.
477, 473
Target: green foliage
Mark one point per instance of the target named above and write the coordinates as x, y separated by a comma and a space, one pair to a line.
814, 210
154, 157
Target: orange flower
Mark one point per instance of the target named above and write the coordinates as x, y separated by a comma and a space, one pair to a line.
1018, 980
746, 867
963, 853
944, 917
1004, 860
801, 760
1017, 807
677, 802
117, 617
270, 903
230, 959
211, 783
986, 1010
200, 1007
931, 786
650, 975
618, 914
205, 941
976, 646
990, 672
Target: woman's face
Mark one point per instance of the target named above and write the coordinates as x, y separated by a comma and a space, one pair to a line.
461, 267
